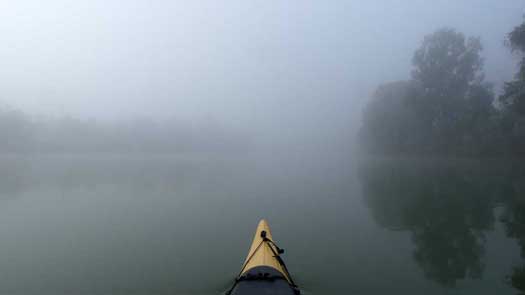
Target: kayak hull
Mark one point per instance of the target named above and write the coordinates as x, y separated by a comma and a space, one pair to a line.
263, 280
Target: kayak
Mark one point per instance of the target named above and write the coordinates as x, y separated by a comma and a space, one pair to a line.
264, 271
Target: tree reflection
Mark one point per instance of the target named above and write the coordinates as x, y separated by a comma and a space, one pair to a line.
447, 207
513, 219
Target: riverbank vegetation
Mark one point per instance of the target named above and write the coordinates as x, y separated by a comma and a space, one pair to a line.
447, 107
22, 133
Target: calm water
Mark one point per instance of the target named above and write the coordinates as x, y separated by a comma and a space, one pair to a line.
139, 224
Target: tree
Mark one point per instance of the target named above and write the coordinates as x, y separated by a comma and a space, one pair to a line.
513, 97
450, 69
447, 64
445, 109
16, 131
391, 119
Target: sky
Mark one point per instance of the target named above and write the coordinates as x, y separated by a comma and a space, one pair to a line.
241, 62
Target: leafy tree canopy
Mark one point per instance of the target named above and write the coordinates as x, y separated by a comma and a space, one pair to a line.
447, 63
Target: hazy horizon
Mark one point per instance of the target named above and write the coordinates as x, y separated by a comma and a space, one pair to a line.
242, 63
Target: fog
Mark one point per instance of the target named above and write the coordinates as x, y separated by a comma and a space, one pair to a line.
291, 69
142, 141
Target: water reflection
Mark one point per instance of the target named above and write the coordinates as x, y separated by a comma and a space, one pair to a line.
130, 223
448, 207
513, 219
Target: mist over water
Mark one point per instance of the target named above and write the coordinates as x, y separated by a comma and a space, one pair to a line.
140, 144
171, 224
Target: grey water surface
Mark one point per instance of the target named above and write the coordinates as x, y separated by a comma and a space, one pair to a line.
182, 224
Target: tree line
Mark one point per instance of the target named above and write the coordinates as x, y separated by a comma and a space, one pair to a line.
21, 133
447, 107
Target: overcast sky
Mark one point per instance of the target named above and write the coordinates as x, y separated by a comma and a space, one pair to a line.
232, 60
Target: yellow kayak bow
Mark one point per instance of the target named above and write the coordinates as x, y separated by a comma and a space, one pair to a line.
264, 271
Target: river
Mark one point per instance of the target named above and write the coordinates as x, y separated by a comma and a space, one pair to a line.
182, 224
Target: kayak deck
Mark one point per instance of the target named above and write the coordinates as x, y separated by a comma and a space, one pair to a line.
263, 271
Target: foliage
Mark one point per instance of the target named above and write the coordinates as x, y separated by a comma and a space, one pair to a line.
513, 97
16, 131
446, 108
21, 133
391, 118
446, 65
